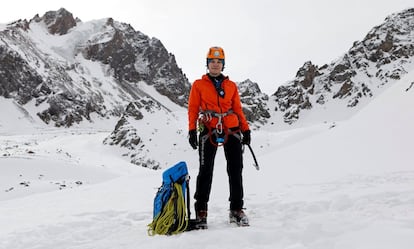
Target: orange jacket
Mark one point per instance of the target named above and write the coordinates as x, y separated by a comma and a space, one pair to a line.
204, 97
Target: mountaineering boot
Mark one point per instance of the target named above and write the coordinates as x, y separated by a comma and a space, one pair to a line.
239, 217
201, 219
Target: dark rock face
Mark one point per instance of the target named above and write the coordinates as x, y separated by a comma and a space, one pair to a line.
254, 102
126, 133
66, 109
17, 79
59, 22
306, 74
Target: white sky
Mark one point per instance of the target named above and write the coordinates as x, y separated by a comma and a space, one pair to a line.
264, 40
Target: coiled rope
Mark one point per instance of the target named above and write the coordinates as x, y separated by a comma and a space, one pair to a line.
172, 219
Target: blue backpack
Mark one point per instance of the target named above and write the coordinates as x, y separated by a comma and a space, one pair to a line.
170, 216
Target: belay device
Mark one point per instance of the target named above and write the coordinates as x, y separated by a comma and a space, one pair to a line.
171, 201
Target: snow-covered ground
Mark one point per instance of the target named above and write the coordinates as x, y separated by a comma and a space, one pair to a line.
347, 185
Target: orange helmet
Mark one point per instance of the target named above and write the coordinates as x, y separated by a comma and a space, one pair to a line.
215, 53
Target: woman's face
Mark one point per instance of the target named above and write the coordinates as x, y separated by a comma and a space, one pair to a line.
215, 67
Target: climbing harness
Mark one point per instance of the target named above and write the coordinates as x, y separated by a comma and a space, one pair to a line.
220, 132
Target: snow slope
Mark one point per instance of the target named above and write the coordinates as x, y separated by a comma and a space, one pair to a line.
346, 185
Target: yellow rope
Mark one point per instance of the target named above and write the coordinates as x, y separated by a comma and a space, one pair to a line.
163, 223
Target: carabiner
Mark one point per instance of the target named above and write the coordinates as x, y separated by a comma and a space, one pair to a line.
219, 125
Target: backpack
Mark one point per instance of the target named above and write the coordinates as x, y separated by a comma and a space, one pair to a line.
170, 216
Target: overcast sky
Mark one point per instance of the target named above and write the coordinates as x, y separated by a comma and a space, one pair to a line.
264, 40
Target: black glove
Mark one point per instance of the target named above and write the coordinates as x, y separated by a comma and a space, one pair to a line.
192, 139
246, 137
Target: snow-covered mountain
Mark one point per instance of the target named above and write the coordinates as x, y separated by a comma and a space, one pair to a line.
56, 70
337, 90
68, 70
65, 70
59, 71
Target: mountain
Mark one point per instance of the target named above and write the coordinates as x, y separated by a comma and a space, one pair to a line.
337, 90
61, 72
65, 70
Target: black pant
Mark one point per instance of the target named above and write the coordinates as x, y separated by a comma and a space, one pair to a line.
234, 158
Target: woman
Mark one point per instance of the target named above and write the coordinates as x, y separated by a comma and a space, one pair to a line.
214, 107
